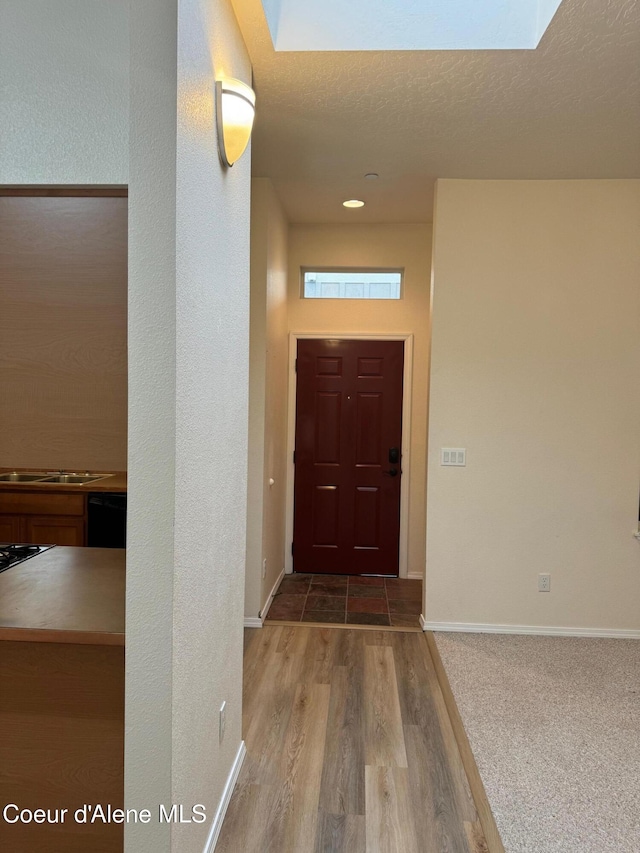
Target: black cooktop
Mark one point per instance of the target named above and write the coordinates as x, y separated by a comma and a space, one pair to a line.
13, 553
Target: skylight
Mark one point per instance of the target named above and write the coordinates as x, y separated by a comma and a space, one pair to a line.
408, 24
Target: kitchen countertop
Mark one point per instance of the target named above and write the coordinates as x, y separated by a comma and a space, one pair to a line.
117, 483
65, 595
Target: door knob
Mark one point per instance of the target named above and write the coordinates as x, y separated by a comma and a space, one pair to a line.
393, 472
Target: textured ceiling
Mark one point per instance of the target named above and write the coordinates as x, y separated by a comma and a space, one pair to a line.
569, 109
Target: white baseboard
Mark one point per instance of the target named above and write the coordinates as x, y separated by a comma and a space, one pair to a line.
258, 621
216, 826
541, 630
415, 576
274, 589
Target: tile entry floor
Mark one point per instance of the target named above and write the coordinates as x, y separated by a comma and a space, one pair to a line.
349, 599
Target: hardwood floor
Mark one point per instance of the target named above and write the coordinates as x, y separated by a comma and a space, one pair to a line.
349, 749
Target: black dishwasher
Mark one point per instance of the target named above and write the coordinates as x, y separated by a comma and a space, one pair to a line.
107, 520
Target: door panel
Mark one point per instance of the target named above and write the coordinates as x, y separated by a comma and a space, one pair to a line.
367, 517
326, 366
348, 417
327, 429
326, 511
369, 417
370, 367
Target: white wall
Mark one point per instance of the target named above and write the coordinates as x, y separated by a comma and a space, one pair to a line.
385, 246
189, 336
64, 91
535, 366
152, 416
267, 395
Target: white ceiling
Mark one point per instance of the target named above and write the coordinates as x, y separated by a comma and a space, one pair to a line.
569, 109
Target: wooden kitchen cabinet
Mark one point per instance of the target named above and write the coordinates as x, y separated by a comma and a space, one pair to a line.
62, 696
43, 518
10, 528
55, 530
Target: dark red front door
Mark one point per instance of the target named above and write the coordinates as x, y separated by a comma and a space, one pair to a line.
348, 432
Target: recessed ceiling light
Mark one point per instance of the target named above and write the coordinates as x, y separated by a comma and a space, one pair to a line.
353, 202
372, 176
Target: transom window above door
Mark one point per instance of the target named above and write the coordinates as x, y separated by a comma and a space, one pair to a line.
351, 284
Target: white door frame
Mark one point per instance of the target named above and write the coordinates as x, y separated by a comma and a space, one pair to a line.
407, 387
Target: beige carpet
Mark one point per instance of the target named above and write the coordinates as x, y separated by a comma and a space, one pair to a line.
554, 724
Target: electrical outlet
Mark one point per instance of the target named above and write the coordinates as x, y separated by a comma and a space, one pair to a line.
544, 583
264, 568
223, 720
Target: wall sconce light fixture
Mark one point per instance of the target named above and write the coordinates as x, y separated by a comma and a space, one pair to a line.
235, 110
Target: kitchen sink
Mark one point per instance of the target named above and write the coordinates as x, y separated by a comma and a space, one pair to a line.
50, 479
75, 479
22, 478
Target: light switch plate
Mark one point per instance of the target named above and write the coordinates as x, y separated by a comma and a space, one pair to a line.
456, 456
